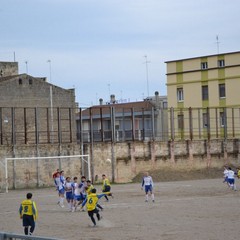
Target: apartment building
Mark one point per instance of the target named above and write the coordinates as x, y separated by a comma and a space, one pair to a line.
210, 84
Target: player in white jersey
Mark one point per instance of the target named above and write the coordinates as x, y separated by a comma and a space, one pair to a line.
83, 186
69, 192
59, 183
225, 175
76, 193
231, 179
147, 183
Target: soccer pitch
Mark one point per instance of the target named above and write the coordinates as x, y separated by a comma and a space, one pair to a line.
194, 210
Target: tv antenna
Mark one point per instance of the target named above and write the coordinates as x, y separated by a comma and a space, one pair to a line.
147, 62
217, 42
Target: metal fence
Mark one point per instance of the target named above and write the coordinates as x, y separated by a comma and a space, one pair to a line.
112, 124
36, 125
159, 124
13, 236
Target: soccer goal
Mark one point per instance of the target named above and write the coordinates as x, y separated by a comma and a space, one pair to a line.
30, 172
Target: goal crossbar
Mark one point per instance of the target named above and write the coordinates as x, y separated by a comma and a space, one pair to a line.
51, 157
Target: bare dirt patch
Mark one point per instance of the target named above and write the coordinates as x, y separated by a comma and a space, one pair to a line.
196, 209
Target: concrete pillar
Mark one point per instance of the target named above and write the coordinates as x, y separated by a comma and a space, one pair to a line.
133, 160
153, 154
208, 146
172, 154
190, 152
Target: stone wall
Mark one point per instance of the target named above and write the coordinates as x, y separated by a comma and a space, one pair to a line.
8, 69
126, 159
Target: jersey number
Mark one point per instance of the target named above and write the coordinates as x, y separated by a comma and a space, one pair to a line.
90, 201
25, 209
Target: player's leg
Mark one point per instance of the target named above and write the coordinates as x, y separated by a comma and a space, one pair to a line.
152, 196
25, 224
97, 213
32, 225
146, 192
61, 200
26, 230
90, 214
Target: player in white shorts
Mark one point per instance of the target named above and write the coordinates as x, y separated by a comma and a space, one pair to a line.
147, 183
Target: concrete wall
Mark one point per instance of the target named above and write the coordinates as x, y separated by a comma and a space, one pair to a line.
127, 159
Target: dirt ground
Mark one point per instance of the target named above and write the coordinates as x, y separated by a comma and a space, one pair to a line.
183, 210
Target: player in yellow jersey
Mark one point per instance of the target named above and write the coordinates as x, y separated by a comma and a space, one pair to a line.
106, 187
89, 190
91, 202
28, 213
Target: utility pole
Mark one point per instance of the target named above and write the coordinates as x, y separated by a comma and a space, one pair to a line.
26, 62
51, 101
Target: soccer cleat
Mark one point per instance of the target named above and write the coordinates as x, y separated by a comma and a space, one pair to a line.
146, 200
153, 200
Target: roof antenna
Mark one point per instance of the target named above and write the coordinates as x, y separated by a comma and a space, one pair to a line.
217, 42
146, 62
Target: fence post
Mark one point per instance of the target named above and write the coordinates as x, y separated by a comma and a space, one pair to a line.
208, 125
172, 123
190, 123
112, 111
133, 124
153, 125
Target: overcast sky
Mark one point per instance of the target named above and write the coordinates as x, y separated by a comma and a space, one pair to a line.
98, 46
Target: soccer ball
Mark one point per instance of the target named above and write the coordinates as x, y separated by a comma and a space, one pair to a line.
108, 160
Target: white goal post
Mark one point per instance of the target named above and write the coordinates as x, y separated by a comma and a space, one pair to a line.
85, 159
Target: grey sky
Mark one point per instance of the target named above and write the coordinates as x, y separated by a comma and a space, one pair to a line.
97, 46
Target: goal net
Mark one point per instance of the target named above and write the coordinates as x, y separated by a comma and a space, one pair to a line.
30, 172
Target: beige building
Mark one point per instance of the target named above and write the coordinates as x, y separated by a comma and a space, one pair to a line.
209, 83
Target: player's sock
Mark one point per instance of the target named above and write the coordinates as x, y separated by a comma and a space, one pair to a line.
61, 201
152, 197
69, 206
146, 198
26, 230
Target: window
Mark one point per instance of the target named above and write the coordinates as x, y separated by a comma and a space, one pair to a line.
20, 81
204, 92
181, 121
180, 94
205, 120
221, 63
222, 90
204, 65
30, 81
222, 119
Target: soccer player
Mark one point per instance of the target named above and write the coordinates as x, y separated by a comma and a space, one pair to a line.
147, 183
28, 213
91, 201
55, 173
82, 187
89, 191
231, 180
69, 192
76, 194
225, 174
106, 187
60, 182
